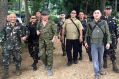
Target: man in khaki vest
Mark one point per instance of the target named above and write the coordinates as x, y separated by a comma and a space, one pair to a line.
71, 28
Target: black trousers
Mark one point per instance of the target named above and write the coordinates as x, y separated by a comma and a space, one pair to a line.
63, 45
69, 45
34, 50
80, 49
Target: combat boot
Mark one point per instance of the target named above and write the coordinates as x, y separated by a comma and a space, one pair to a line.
34, 67
49, 72
18, 71
115, 68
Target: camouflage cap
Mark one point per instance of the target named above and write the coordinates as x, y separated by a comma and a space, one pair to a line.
45, 12
108, 7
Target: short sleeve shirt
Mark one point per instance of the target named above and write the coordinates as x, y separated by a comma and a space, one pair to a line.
70, 29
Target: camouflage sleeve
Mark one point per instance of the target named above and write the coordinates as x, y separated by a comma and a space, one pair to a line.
107, 32
117, 22
54, 28
38, 25
116, 29
24, 31
27, 31
2, 36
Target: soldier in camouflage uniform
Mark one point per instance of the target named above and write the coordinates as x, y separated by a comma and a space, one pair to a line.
47, 31
60, 24
114, 37
11, 40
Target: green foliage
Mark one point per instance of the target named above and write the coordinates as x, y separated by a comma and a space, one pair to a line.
53, 18
117, 22
87, 6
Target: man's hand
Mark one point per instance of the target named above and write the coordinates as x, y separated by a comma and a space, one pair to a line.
54, 39
86, 45
24, 38
38, 32
107, 46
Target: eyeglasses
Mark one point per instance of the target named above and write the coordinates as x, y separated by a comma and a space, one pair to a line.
33, 18
73, 13
108, 9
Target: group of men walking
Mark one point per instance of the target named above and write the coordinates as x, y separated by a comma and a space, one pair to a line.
99, 36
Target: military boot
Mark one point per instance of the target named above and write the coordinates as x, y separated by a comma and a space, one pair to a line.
49, 72
34, 67
115, 68
18, 71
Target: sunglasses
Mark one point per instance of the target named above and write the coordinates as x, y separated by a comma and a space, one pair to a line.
33, 18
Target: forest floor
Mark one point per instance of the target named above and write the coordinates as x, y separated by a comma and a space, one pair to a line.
82, 70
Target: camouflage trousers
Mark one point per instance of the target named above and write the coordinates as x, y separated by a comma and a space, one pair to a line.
111, 52
7, 55
46, 52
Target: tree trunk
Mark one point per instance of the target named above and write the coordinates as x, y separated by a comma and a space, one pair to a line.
102, 5
26, 12
86, 6
116, 5
3, 12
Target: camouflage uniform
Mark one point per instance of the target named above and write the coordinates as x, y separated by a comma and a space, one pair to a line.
45, 45
60, 24
11, 41
114, 35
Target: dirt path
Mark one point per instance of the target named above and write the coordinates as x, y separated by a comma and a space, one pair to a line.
82, 70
